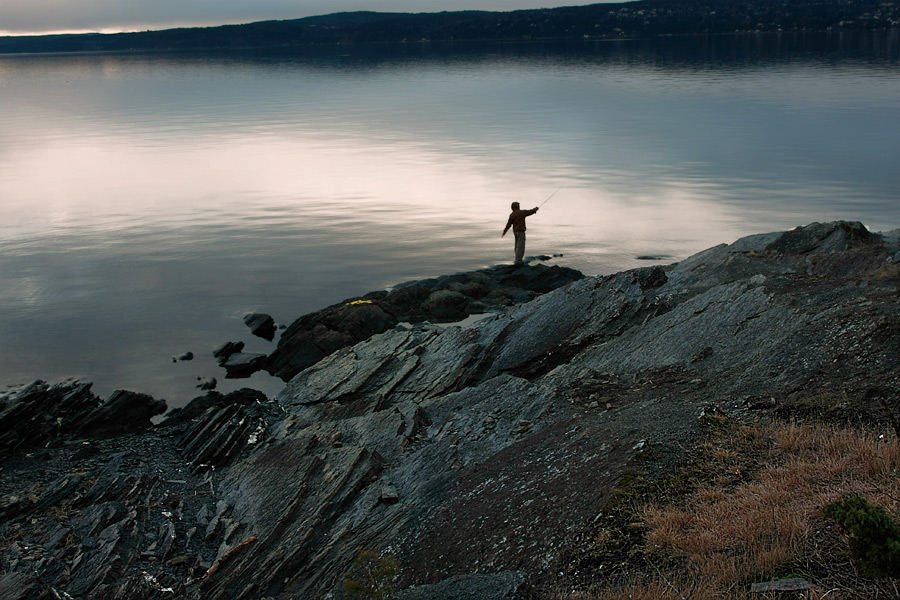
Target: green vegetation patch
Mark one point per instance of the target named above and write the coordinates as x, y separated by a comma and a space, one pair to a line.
875, 538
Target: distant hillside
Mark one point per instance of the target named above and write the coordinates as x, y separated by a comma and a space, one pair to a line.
597, 21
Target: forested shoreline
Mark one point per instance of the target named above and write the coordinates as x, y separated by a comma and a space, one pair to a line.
645, 18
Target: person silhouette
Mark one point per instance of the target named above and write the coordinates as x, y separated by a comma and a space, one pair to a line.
517, 222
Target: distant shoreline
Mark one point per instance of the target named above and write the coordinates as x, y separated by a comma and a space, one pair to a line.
591, 23
437, 45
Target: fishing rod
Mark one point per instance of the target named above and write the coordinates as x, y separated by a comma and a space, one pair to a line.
548, 197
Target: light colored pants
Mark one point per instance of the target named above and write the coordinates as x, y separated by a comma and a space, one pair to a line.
520, 246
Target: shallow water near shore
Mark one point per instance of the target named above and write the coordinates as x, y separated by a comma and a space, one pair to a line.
150, 201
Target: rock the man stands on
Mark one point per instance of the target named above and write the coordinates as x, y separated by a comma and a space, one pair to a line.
517, 222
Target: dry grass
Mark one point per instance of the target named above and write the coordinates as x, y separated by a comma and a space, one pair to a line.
61, 513
758, 516
666, 590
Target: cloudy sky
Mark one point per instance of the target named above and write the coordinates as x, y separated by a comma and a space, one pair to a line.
53, 16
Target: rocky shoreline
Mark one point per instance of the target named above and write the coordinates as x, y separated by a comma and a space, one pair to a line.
444, 299
474, 457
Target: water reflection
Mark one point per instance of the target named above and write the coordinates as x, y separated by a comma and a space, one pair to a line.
149, 201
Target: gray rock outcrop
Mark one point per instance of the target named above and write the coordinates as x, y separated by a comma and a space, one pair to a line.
443, 299
476, 457
39, 413
487, 437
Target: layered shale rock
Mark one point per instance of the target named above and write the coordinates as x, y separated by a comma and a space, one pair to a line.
471, 450
39, 413
224, 430
126, 515
475, 457
126, 520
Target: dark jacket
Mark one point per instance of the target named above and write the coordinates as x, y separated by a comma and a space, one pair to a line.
517, 219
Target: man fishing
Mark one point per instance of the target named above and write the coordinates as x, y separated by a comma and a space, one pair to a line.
517, 222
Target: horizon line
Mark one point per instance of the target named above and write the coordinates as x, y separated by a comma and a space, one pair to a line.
112, 30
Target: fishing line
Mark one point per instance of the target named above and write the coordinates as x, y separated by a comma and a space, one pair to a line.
548, 198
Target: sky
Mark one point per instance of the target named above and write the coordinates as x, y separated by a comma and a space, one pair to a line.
21, 17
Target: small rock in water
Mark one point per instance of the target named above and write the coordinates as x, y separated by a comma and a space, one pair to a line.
653, 257
242, 365
222, 353
261, 325
208, 384
186, 356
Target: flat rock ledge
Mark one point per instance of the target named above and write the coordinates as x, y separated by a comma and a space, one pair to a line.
475, 458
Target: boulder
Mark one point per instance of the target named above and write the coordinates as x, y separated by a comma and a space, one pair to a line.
476, 308
824, 238
445, 305
222, 353
474, 289
408, 298
241, 365
311, 338
541, 279
261, 325
484, 481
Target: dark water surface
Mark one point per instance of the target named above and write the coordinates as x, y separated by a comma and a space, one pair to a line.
147, 202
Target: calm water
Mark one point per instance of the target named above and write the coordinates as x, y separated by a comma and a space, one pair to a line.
147, 202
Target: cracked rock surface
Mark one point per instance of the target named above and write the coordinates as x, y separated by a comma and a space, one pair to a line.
474, 456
